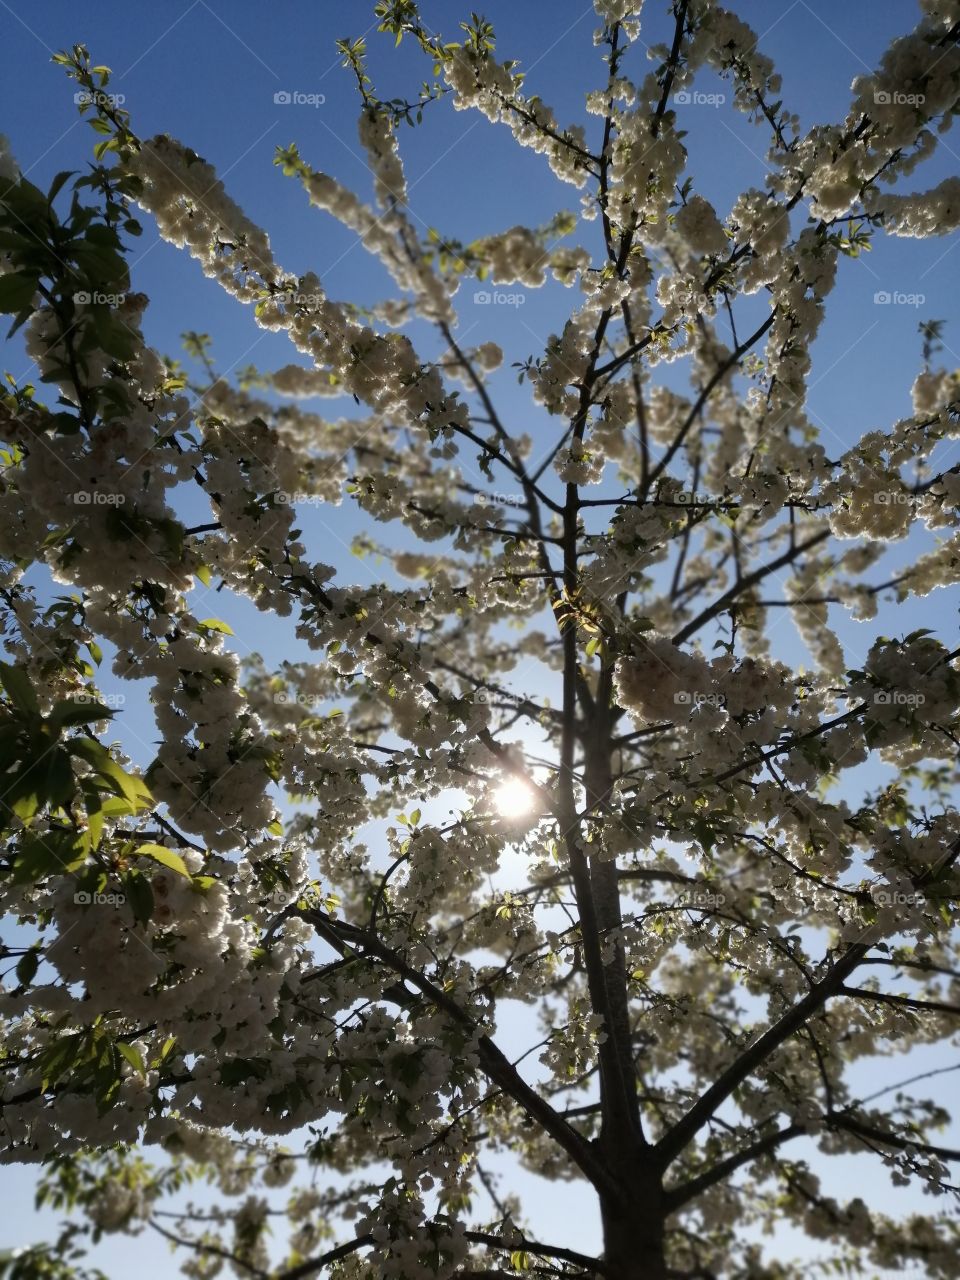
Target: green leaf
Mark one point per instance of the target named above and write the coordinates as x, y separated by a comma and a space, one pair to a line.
114, 806
58, 1056
15, 683
132, 1055
706, 835
168, 1047
42, 856
139, 894
214, 624
60, 782
12, 239
16, 291
240, 1070
124, 784
27, 967
77, 711
57, 184
114, 336
25, 799
107, 1083
11, 744
165, 856
35, 860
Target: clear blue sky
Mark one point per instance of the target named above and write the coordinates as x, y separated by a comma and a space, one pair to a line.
206, 71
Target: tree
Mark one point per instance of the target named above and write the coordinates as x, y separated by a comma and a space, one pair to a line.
712, 919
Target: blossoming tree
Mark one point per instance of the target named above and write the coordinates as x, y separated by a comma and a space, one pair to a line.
655, 845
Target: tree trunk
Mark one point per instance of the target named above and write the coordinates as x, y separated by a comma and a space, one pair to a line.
633, 1247
633, 1235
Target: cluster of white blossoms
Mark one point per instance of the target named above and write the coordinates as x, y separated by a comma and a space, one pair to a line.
481, 83
660, 681
517, 256
644, 167
728, 44
193, 211
383, 371
933, 390
887, 133
917, 79
908, 684
382, 236
579, 464
761, 222
191, 973
612, 11
925, 213
869, 502
404, 1243
563, 364
379, 140
118, 1207
390, 236
700, 228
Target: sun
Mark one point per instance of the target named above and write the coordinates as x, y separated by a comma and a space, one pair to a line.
514, 798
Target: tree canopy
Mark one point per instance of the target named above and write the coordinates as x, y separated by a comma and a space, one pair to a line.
560, 757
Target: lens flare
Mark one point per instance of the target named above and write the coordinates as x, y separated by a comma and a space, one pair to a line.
514, 798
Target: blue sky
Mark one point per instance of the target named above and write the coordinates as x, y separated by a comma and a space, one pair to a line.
206, 71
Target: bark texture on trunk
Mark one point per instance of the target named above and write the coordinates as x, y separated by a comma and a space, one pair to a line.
633, 1227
